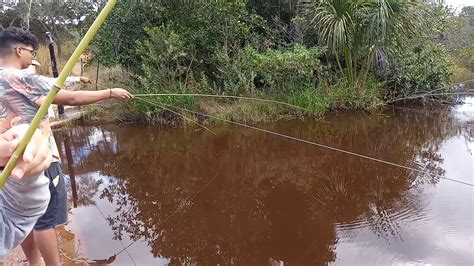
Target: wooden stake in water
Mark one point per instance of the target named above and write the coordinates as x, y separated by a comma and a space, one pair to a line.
54, 91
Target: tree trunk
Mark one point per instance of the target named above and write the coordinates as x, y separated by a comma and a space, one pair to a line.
57, 37
97, 75
26, 19
70, 163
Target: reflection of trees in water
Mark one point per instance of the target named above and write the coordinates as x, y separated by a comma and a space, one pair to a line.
85, 140
88, 187
272, 198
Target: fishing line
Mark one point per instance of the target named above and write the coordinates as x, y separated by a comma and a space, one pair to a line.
323, 146
432, 93
291, 137
223, 96
280, 135
174, 112
213, 96
103, 216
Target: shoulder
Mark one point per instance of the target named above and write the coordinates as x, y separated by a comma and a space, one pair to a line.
18, 78
12, 73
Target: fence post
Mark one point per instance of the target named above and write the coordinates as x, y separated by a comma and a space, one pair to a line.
54, 67
97, 75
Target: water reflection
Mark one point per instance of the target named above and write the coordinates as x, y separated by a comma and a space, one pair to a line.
269, 199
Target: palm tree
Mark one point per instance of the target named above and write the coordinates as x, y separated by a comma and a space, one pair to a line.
359, 30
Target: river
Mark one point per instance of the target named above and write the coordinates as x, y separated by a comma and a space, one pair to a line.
159, 195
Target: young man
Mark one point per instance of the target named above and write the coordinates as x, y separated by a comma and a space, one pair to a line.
17, 50
41, 245
70, 81
25, 196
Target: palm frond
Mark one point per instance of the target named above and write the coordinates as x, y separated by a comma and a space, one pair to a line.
359, 29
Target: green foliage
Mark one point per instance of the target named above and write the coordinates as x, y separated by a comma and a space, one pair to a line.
459, 37
253, 112
310, 99
358, 31
281, 71
284, 10
203, 27
162, 59
116, 40
277, 71
419, 68
206, 26
337, 95
443, 20
58, 17
163, 67
187, 51
235, 73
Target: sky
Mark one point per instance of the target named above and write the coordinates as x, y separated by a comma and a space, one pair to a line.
459, 4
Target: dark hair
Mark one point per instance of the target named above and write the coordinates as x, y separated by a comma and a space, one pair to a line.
13, 36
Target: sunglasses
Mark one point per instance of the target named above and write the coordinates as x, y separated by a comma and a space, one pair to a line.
33, 52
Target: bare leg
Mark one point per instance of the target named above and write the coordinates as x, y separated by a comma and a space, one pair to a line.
47, 244
31, 252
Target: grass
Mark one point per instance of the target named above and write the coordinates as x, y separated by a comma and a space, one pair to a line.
108, 76
318, 102
338, 96
44, 58
463, 73
310, 99
245, 111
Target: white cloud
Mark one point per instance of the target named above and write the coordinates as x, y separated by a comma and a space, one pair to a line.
459, 4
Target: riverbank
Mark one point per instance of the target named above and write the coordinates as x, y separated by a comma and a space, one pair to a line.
211, 111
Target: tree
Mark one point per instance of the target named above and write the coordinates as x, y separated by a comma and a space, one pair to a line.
284, 10
61, 18
459, 39
358, 32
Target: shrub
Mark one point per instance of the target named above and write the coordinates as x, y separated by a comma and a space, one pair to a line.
282, 71
417, 69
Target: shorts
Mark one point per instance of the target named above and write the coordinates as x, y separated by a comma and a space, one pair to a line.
13, 230
56, 213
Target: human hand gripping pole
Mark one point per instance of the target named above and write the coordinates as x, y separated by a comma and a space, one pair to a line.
54, 91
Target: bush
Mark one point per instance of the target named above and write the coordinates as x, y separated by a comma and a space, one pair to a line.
338, 95
203, 28
417, 69
184, 51
215, 48
235, 72
282, 71
162, 61
311, 100
163, 68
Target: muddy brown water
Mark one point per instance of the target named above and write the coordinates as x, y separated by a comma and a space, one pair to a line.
241, 197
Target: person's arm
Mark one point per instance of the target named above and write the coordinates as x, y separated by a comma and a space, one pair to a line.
70, 81
40, 86
35, 159
74, 98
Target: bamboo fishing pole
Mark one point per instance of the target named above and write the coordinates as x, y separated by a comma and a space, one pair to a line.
210, 96
58, 85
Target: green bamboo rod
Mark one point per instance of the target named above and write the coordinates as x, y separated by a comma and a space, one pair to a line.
212, 96
54, 91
